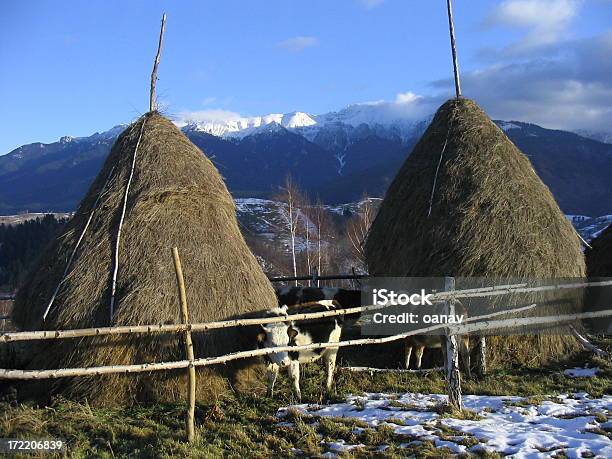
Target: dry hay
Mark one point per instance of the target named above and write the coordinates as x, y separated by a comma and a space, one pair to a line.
491, 216
177, 198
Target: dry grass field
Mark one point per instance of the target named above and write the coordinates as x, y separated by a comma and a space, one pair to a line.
258, 426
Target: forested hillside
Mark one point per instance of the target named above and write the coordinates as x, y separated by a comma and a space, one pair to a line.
20, 246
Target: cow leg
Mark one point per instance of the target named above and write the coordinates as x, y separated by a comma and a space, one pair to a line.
330, 364
407, 353
294, 374
419, 356
272, 374
464, 353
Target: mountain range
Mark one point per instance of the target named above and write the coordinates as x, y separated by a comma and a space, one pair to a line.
337, 156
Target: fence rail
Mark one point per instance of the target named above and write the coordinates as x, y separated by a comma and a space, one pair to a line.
160, 366
315, 277
469, 325
199, 327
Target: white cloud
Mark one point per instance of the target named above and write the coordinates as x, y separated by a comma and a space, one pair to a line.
406, 106
371, 3
297, 44
545, 20
406, 97
206, 116
569, 90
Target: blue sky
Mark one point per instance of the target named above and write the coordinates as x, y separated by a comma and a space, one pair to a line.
76, 67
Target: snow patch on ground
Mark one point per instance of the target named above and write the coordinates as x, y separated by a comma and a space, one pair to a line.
508, 424
581, 372
341, 446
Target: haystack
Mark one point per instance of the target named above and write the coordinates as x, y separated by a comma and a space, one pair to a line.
176, 198
468, 203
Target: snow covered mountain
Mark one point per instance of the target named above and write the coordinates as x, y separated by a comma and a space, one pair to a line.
384, 118
337, 156
241, 127
605, 137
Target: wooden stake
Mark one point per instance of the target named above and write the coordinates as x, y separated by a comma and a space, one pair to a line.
481, 359
451, 28
152, 101
191, 384
453, 376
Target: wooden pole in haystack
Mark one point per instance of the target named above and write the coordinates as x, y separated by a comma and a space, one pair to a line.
453, 376
191, 384
152, 101
451, 27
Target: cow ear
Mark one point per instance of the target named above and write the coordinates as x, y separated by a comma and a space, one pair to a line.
261, 337
292, 332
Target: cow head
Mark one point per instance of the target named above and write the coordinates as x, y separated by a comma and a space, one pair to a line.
277, 334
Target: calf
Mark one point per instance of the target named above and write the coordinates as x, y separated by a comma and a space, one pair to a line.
323, 330
420, 342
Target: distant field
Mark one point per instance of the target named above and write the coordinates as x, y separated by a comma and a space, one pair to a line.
20, 218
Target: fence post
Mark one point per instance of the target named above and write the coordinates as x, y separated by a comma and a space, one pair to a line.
191, 384
481, 360
453, 376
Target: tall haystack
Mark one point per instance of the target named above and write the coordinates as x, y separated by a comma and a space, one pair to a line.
468, 203
176, 198
599, 255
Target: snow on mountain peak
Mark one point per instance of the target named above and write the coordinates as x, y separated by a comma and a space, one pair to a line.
243, 126
297, 119
401, 116
507, 125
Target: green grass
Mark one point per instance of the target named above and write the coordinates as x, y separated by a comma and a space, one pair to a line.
246, 426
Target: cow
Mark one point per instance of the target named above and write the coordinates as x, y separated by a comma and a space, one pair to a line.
292, 295
277, 334
420, 342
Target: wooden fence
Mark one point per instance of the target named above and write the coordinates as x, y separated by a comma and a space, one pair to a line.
449, 296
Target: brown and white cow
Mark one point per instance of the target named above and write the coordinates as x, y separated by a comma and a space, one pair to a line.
280, 334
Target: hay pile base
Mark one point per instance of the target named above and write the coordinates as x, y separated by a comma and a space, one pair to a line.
177, 198
490, 216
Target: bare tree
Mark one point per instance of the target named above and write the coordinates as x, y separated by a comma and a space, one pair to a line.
291, 216
319, 209
357, 229
323, 234
306, 213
